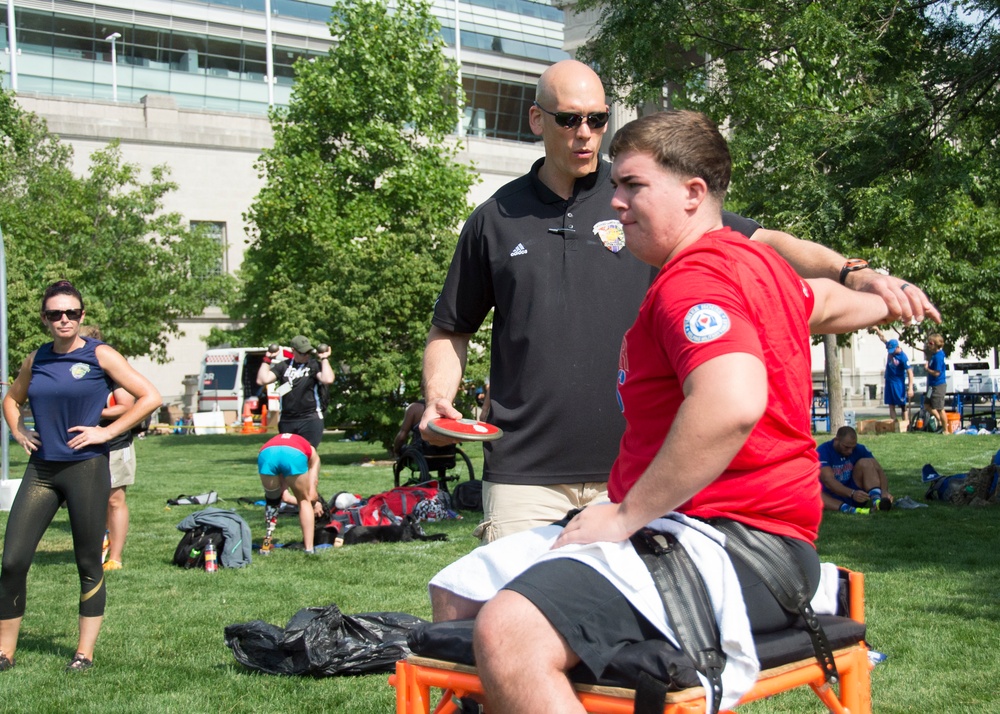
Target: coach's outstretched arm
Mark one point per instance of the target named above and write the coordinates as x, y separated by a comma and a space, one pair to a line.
905, 301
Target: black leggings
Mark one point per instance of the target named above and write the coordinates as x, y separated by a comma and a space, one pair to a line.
84, 486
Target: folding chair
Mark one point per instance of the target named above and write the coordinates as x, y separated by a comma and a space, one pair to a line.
786, 659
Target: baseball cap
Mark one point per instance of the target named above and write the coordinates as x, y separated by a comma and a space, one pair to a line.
301, 344
889, 346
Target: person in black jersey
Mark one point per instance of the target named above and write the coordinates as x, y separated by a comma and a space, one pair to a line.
298, 383
67, 381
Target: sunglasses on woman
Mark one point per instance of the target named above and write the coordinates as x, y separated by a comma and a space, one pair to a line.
569, 120
54, 315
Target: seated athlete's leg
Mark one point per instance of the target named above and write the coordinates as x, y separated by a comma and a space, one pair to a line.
832, 502
764, 612
34, 507
512, 508
866, 475
522, 660
588, 616
86, 485
446, 605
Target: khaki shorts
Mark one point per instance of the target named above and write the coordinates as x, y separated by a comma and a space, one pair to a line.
122, 463
511, 508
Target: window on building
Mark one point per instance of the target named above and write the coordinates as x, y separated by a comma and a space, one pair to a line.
497, 109
217, 230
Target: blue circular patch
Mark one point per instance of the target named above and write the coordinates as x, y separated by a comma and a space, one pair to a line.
705, 322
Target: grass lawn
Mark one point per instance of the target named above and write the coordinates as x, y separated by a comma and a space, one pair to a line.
931, 574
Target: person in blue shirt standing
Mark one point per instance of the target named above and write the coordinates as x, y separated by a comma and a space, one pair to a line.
898, 380
936, 378
852, 478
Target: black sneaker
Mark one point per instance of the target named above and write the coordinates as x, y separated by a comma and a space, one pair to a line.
79, 663
884, 504
5, 662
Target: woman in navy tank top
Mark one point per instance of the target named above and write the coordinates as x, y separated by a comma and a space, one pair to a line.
67, 382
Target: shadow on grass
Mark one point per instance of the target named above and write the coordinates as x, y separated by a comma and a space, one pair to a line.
63, 556
43, 644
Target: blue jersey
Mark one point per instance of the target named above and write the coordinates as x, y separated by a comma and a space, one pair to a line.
67, 390
896, 366
936, 363
842, 466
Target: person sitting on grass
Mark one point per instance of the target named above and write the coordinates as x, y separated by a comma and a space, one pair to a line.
853, 480
288, 461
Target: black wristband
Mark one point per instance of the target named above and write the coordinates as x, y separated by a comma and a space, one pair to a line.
850, 266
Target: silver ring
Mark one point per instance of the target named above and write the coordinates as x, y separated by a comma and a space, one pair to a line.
904, 286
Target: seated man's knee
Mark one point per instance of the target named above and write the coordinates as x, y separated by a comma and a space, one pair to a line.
865, 474
499, 622
446, 605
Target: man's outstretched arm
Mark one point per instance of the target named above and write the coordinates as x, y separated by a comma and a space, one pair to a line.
905, 301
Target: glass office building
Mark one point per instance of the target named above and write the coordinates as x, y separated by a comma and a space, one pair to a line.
211, 54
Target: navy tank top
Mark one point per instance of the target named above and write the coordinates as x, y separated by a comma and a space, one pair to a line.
65, 391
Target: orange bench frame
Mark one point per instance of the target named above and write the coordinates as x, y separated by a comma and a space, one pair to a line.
416, 676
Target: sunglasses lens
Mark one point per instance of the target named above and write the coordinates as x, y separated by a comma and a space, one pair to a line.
572, 121
596, 121
54, 315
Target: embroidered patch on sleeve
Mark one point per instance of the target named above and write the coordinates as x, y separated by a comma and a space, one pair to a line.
705, 322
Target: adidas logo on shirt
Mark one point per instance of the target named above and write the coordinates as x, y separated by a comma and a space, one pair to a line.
519, 250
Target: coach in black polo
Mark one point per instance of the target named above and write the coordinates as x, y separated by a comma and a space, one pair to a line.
546, 253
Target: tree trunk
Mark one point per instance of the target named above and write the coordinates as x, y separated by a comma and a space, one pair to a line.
834, 386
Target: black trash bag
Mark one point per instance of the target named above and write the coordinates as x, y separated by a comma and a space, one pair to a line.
322, 642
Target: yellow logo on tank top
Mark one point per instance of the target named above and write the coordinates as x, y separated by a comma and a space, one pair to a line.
79, 370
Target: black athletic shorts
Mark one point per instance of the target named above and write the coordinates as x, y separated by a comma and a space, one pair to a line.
596, 620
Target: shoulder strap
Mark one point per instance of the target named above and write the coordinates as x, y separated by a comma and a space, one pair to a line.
688, 607
768, 556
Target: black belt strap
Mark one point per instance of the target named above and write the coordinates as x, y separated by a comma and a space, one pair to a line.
688, 607
769, 557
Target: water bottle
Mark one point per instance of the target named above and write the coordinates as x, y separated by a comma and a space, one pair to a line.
193, 557
211, 564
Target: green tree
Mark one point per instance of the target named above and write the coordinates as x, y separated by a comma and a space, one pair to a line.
866, 125
139, 269
356, 225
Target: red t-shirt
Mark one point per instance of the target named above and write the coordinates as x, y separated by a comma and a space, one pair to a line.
293, 440
725, 294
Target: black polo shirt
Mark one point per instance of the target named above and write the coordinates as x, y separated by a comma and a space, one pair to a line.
564, 290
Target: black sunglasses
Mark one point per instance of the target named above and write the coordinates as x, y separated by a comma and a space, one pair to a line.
53, 315
572, 121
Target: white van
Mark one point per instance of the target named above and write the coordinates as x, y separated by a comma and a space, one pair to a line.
229, 377
957, 375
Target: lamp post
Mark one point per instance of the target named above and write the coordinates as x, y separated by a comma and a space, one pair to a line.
113, 39
12, 48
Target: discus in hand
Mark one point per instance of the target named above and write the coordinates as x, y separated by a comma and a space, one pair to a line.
465, 429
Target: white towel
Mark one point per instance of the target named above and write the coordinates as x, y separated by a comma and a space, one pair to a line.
481, 574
